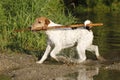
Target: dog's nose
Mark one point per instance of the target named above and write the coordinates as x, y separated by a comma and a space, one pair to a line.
31, 28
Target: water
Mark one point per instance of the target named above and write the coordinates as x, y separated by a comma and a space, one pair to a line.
92, 74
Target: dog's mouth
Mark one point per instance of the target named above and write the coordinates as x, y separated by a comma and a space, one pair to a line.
32, 29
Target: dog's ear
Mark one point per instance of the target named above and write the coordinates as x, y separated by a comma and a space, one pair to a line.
47, 21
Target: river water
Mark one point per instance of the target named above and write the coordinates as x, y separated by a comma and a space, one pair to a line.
91, 74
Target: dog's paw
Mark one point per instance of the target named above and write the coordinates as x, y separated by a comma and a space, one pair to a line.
39, 62
100, 58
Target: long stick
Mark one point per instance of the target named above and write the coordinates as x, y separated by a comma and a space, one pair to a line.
67, 26
57, 27
20, 30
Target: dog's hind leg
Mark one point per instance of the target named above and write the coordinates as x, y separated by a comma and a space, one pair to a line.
81, 52
45, 54
95, 50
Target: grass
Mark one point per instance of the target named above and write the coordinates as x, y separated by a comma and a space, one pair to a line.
19, 14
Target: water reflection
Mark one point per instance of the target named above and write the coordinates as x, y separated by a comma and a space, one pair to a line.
91, 74
82, 74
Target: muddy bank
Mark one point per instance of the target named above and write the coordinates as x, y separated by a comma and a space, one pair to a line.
23, 67
14, 61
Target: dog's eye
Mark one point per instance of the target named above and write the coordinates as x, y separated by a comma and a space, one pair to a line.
39, 22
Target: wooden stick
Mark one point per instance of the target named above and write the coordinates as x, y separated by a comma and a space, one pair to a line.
68, 26
58, 27
20, 30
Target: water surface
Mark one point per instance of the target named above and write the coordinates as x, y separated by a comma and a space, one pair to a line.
92, 74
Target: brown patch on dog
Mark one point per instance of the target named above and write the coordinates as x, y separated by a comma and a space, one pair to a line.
41, 22
47, 21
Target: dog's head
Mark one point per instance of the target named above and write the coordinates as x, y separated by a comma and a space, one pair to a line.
40, 23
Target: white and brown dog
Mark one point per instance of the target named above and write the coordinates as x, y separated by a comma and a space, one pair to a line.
64, 38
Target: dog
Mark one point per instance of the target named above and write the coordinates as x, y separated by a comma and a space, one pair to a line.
65, 38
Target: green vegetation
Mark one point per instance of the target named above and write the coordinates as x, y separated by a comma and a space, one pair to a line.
104, 6
19, 14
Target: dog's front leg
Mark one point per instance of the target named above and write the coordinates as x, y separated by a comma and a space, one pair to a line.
45, 54
54, 52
